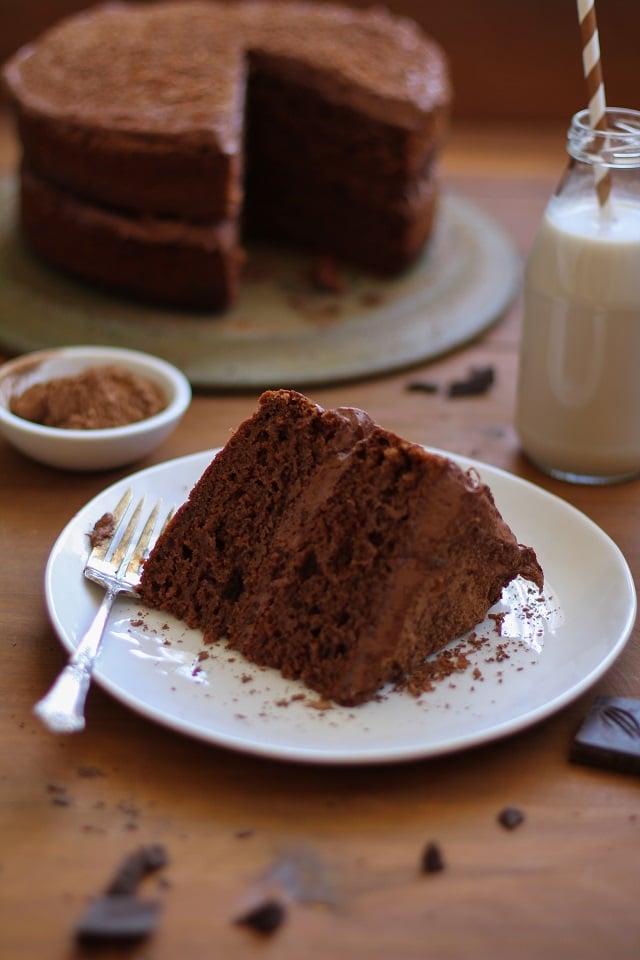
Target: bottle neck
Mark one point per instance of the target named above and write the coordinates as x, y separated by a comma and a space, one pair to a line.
616, 145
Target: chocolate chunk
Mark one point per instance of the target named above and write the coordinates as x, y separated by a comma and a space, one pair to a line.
119, 917
510, 817
610, 735
265, 918
136, 866
120, 914
432, 861
478, 382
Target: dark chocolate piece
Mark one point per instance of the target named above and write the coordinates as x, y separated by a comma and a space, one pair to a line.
120, 914
265, 918
432, 861
478, 382
136, 866
118, 917
510, 817
610, 735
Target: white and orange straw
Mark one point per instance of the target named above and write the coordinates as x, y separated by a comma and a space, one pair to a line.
592, 66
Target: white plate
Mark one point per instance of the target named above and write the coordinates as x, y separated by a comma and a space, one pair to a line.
559, 645
282, 330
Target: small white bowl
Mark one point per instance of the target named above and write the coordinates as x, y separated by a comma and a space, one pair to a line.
90, 449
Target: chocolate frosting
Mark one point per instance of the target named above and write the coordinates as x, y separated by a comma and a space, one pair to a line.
178, 69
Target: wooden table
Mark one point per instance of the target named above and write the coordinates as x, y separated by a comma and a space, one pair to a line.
564, 884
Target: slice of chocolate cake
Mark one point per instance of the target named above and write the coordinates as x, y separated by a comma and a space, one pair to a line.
321, 544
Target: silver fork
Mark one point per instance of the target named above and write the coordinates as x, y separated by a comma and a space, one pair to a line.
114, 563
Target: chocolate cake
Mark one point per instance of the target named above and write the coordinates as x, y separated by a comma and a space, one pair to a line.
321, 544
154, 134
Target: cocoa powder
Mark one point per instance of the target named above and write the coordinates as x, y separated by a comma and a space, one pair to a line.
97, 398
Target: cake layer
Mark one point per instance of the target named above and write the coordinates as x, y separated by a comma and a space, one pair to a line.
135, 106
318, 543
167, 261
162, 179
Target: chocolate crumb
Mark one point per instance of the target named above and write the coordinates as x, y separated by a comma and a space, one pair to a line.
422, 386
61, 800
424, 677
53, 787
478, 382
244, 832
432, 861
265, 918
90, 771
510, 817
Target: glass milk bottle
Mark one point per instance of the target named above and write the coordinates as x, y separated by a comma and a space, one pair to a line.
578, 407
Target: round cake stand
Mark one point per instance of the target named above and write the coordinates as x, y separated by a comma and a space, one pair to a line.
284, 331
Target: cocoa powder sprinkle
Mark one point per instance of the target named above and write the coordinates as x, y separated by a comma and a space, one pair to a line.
97, 398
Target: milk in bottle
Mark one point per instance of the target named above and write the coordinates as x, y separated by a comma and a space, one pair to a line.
578, 408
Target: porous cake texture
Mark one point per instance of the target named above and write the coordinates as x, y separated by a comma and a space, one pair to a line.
155, 135
318, 543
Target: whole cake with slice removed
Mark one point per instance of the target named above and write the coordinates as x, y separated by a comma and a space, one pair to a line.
156, 135
318, 543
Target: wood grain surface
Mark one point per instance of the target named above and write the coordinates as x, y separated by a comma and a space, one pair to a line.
564, 884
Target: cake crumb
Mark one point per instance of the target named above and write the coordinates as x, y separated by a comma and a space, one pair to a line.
326, 276
424, 677
320, 704
103, 530
498, 619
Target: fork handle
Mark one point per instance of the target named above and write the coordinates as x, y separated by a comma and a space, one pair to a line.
62, 708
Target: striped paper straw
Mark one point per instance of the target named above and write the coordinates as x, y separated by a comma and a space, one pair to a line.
592, 66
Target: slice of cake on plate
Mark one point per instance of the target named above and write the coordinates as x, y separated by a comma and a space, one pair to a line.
321, 544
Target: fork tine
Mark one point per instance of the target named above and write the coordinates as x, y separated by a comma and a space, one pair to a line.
143, 542
123, 548
99, 552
